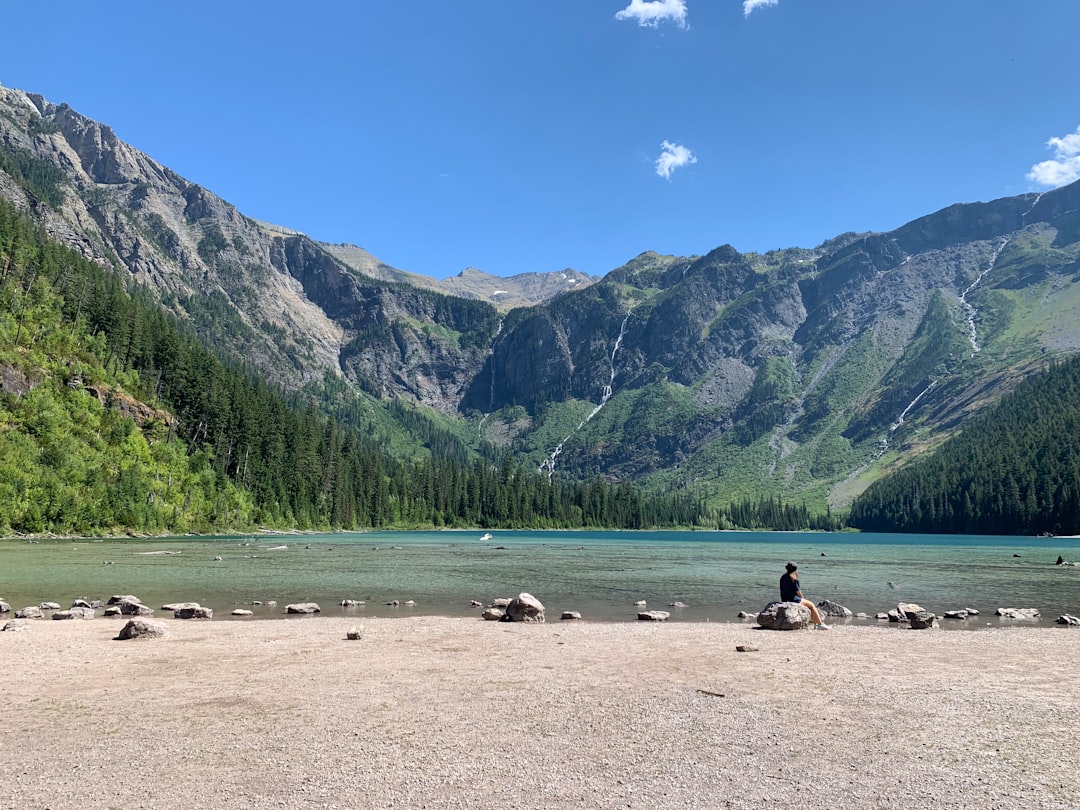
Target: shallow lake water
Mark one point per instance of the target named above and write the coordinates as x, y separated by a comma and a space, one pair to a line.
600, 574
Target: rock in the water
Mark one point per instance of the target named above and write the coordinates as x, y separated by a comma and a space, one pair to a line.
194, 612
49, 606
175, 606
493, 614
653, 616
678, 605
920, 619
1069, 619
743, 614
31, 612
303, 607
135, 608
640, 603
83, 603
5, 607
525, 608
75, 613
833, 609
113, 610
16, 625
142, 628
116, 599
501, 602
243, 612
568, 615
352, 602
1018, 613
355, 633
955, 614
784, 616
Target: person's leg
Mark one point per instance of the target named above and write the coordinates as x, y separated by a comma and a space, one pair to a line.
815, 617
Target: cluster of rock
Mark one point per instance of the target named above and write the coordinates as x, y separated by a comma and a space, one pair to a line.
522, 608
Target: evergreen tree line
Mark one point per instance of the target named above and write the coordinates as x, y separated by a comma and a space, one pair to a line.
772, 513
251, 455
1013, 470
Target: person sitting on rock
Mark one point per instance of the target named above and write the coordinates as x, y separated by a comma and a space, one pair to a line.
790, 592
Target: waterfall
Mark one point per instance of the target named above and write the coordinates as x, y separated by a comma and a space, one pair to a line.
548, 465
971, 311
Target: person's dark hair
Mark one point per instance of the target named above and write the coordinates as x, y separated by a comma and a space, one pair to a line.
791, 567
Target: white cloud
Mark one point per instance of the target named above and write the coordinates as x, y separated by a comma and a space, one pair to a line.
1064, 168
672, 157
750, 6
653, 12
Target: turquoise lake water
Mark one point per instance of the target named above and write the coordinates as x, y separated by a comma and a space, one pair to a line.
600, 574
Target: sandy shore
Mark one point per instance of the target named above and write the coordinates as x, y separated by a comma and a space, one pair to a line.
459, 713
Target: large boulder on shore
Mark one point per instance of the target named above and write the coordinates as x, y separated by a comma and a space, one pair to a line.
142, 628
784, 616
525, 608
75, 613
30, 612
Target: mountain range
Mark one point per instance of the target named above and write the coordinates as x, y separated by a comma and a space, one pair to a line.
803, 373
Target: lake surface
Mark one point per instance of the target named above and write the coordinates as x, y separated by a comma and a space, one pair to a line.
600, 574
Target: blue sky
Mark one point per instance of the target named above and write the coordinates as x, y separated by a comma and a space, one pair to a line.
519, 136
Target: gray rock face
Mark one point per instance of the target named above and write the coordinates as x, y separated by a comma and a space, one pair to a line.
525, 608
303, 608
784, 616
142, 628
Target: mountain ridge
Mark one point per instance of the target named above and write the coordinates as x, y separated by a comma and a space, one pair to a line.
802, 372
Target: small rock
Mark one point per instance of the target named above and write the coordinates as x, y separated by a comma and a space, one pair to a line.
653, 616
828, 608
955, 614
678, 605
501, 602
5, 607
113, 610
16, 625
640, 603
1068, 619
194, 612
142, 628
118, 598
493, 614
568, 615
352, 602
175, 606
75, 613
243, 612
49, 606
355, 633
746, 615
303, 607
31, 612
746, 648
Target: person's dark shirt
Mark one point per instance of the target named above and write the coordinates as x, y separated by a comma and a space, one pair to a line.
789, 588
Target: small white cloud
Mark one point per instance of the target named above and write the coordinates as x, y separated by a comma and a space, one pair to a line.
1064, 168
750, 6
672, 157
651, 13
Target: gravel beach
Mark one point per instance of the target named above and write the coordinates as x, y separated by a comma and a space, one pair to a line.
431, 712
